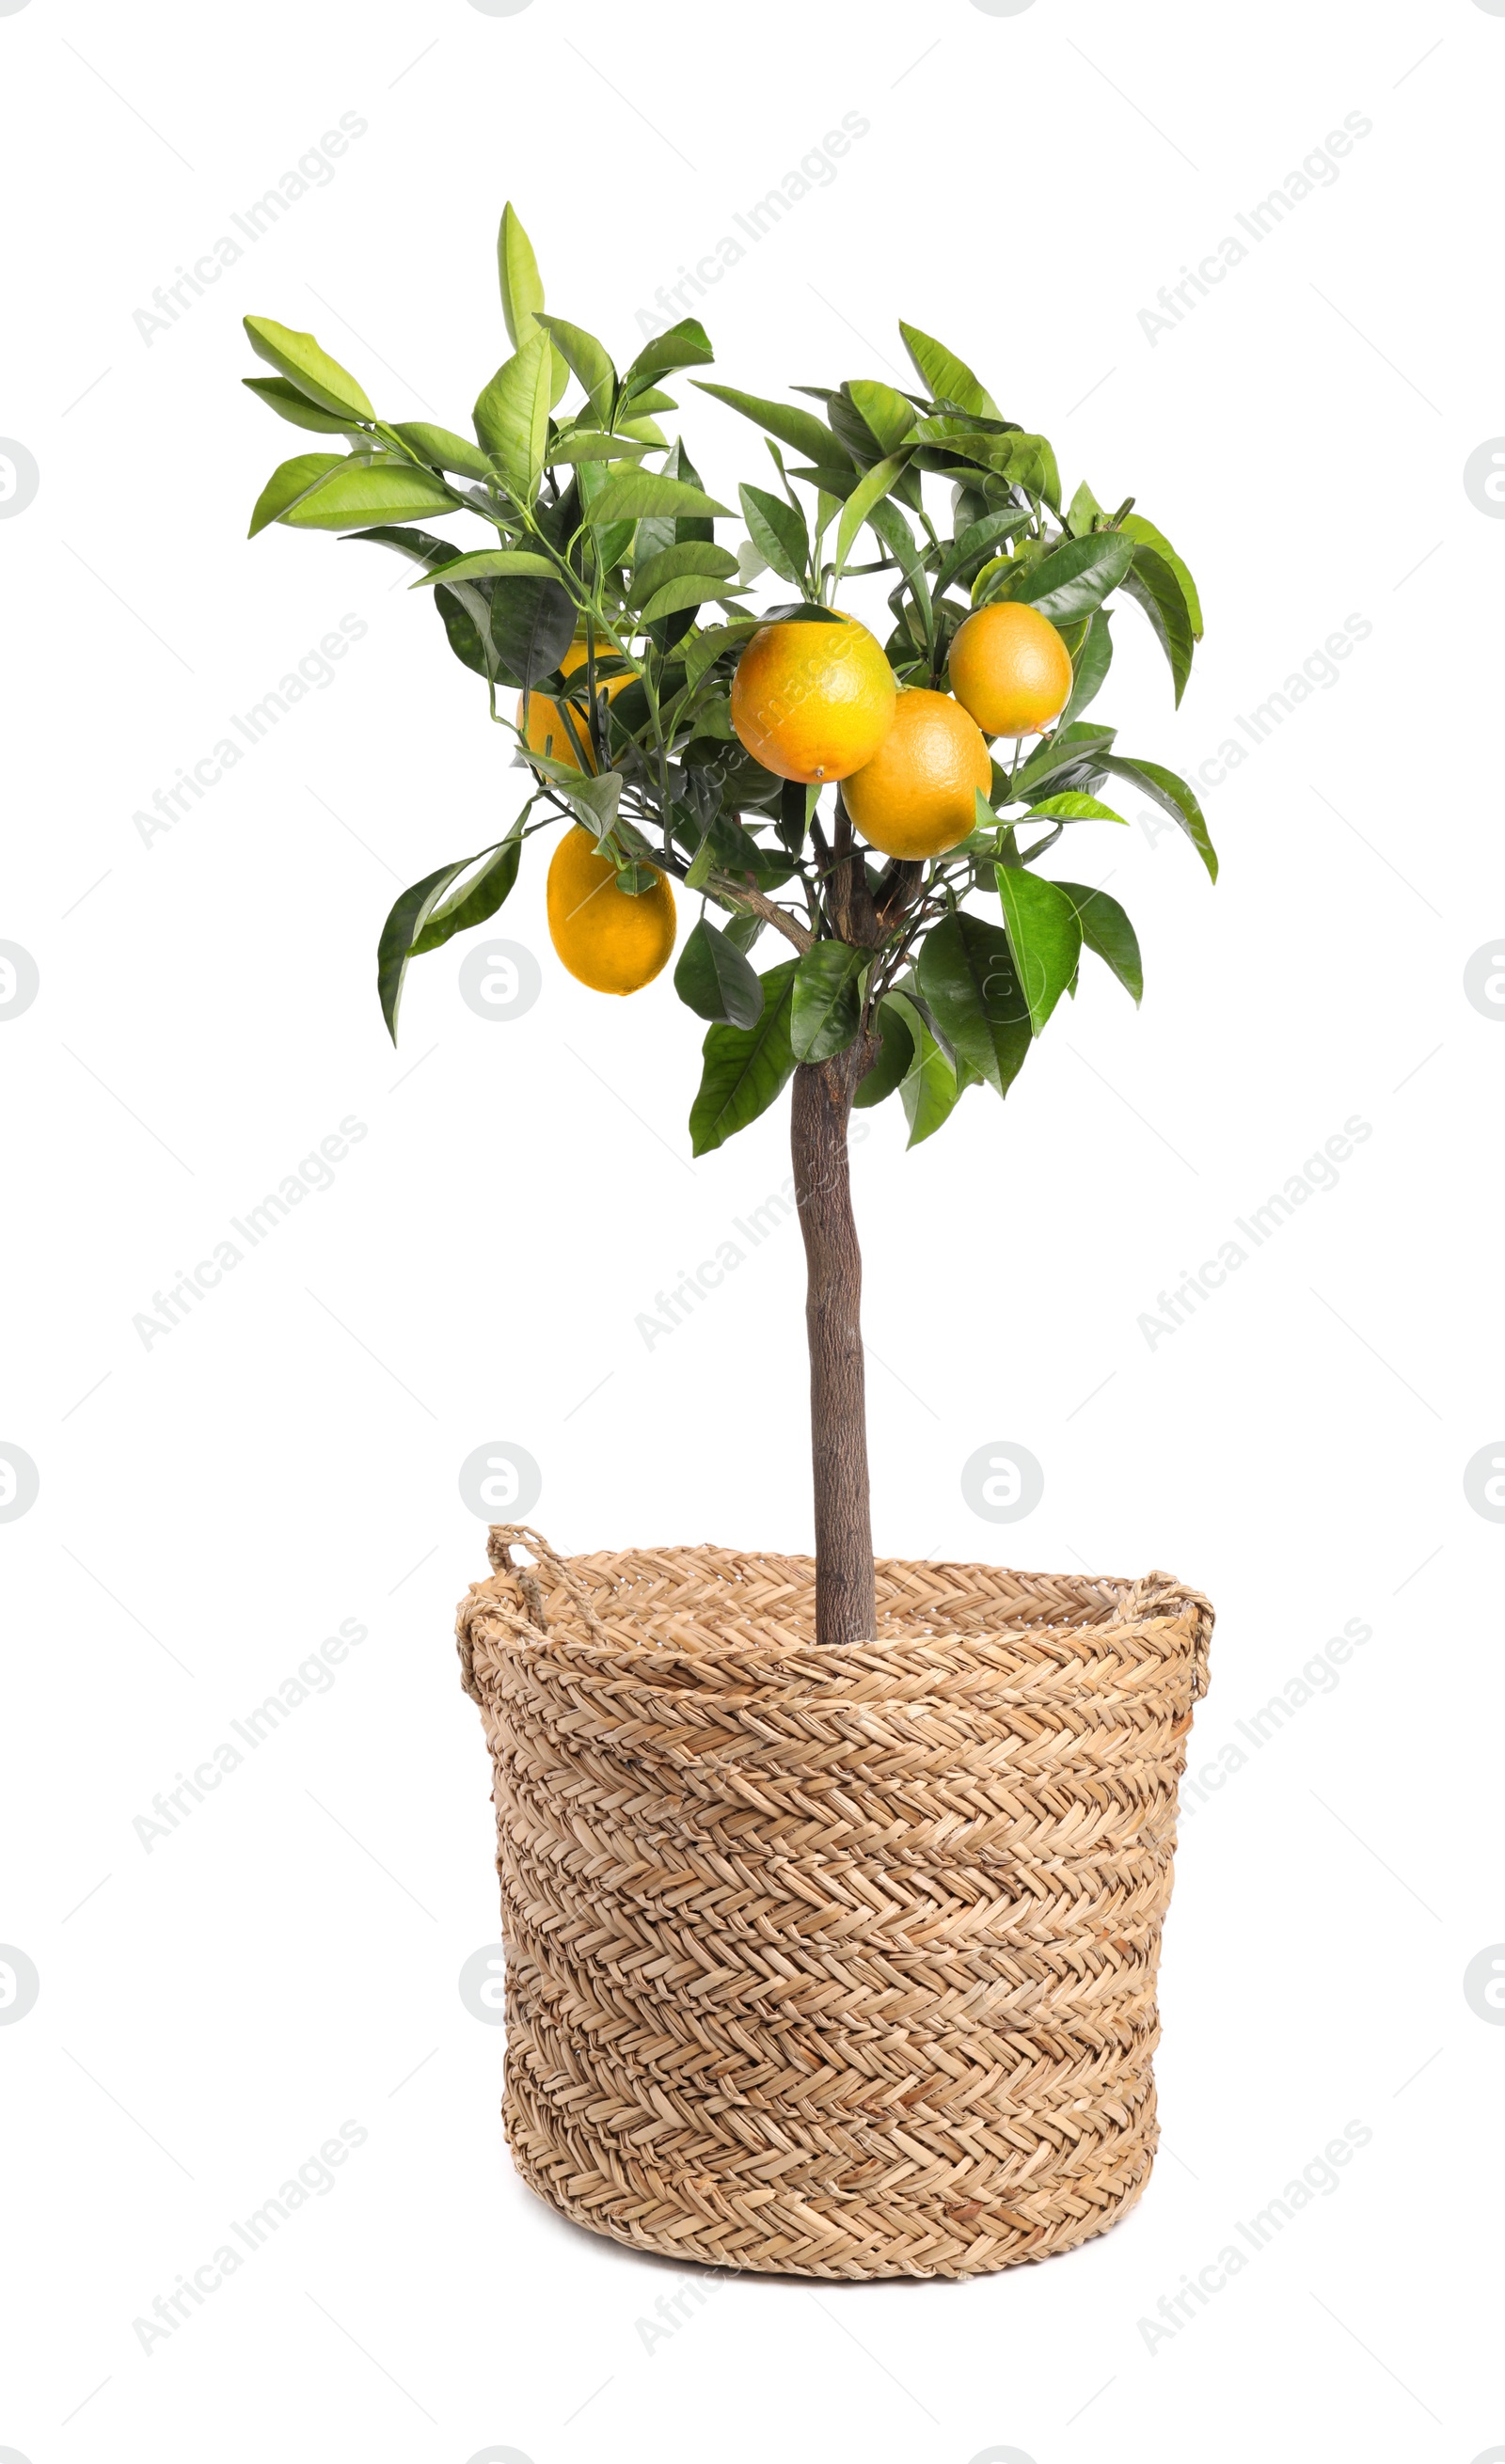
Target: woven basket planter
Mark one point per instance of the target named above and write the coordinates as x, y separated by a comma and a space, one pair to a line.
831, 1963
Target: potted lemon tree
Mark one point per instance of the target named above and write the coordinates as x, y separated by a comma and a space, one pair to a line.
805, 1865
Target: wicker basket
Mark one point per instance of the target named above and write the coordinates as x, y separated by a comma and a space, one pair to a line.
831, 1963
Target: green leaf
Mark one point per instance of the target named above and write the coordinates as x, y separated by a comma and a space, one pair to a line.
894, 1058
889, 413
299, 357
1107, 930
283, 397
686, 556
825, 1007
1074, 808
1078, 747
289, 482
1089, 666
715, 979
793, 426
588, 360
1151, 581
1075, 579
777, 532
745, 1067
596, 800
1082, 512
688, 590
967, 977
631, 495
929, 1087
362, 491
484, 566
977, 539
511, 415
518, 273
473, 901
403, 927
532, 625
948, 378
592, 444
1134, 527
874, 485
1044, 936
1172, 795
441, 446
685, 346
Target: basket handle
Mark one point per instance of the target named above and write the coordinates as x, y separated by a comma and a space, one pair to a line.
501, 1540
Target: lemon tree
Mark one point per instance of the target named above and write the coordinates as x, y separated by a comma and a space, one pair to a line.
608, 622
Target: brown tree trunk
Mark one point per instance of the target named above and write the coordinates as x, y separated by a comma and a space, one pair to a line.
844, 1609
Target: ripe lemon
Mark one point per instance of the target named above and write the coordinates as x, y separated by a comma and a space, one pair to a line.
607, 939
548, 730
813, 701
1010, 668
917, 797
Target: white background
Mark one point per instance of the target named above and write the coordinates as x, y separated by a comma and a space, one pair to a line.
213, 2006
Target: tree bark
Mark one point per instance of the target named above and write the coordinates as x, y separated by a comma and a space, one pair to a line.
844, 1609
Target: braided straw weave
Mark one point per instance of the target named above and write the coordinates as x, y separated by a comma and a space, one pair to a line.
831, 1963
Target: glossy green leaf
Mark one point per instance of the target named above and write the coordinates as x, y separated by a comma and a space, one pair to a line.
532, 624
1075, 748
975, 541
289, 482
591, 445
715, 979
791, 426
745, 1069
362, 491
588, 359
888, 413
685, 556
631, 496
298, 357
826, 1006
1151, 581
1075, 579
511, 415
685, 346
441, 446
1172, 795
929, 1087
778, 533
1073, 808
870, 488
1044, 936
967, 975
688, 590
1134, 527
402, 928
484, 566
1082, 512
473, 901
1089, 666
893, 1059
1107, 930
947, 378
283, 397
518, 274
